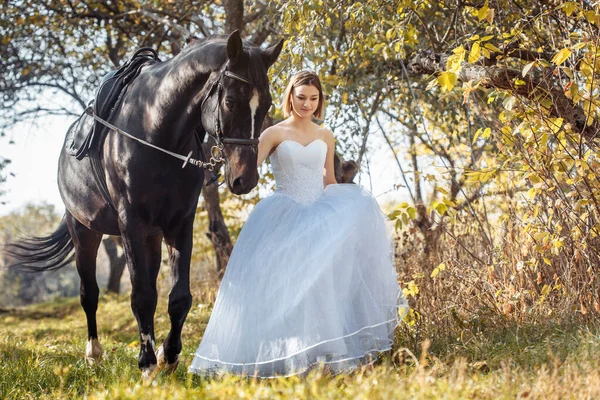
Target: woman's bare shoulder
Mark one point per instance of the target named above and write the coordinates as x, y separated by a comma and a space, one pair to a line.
271, 133
326, 135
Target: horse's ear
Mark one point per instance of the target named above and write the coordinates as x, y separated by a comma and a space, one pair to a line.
270, 55
234, 47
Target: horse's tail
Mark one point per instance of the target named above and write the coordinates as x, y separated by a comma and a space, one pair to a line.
46, 253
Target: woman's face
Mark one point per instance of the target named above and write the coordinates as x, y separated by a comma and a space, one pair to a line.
305, 100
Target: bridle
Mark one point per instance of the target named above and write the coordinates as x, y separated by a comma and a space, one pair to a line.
216, 152
218, 86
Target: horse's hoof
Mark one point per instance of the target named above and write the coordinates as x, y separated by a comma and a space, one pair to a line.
162, 361
160, 357
149, 373
93, 351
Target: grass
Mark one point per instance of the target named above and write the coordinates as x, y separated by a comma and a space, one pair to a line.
41, 353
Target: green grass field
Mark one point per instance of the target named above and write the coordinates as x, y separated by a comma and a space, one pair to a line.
41, 356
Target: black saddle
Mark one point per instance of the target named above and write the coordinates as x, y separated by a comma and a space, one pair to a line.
85, 133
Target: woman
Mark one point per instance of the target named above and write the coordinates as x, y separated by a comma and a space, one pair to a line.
311, 279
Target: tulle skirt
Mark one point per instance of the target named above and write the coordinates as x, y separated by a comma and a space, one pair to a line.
306, 285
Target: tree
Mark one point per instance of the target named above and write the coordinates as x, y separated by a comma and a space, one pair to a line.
524, 120
116, 261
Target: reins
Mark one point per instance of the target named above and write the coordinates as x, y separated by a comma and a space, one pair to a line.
216, 151
206, 165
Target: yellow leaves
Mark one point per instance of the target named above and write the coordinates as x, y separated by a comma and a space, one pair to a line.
484, 134
543, 140
490, 46
475, 52
546, 290
402, 214
581, 203
438, 269
531, 193
481, 176
555, 124
591, 16
586, 68
485, 13
411, 289
447, 80
569, 7
454, 61
411, 317
481, 46
534, 178
378, 47
442, 207
389, 35
527, 67
561, 56
482, 12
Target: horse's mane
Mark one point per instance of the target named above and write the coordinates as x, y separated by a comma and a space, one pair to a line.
256, 66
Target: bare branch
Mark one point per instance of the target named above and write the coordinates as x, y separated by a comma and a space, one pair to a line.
412, 197
167, 22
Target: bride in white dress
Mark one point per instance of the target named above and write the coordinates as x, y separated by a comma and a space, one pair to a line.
311, 280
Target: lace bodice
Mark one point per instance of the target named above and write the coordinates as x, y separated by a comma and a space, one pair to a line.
298, 169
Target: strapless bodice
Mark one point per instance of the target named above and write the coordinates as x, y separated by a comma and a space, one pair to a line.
298, 169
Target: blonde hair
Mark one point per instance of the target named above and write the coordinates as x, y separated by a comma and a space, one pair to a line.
303, 78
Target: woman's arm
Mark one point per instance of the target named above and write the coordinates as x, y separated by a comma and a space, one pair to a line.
329, 175
266, 142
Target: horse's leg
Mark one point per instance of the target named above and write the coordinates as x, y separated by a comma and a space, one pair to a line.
153, 254
143, 289
86, 243
179, 241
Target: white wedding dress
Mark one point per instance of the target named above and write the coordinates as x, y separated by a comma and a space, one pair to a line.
311, 279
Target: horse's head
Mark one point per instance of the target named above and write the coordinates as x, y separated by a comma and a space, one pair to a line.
236, 107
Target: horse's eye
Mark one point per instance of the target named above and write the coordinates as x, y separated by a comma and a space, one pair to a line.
229, 103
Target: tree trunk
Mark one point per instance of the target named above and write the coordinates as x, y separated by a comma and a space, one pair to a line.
234, 15
217, 230
116, 263
345, 171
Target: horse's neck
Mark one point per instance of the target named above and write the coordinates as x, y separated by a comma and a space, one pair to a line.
177, 98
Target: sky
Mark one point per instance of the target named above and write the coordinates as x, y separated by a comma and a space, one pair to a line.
36, 148
34, 162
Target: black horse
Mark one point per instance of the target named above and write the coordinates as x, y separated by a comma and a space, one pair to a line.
150, 196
